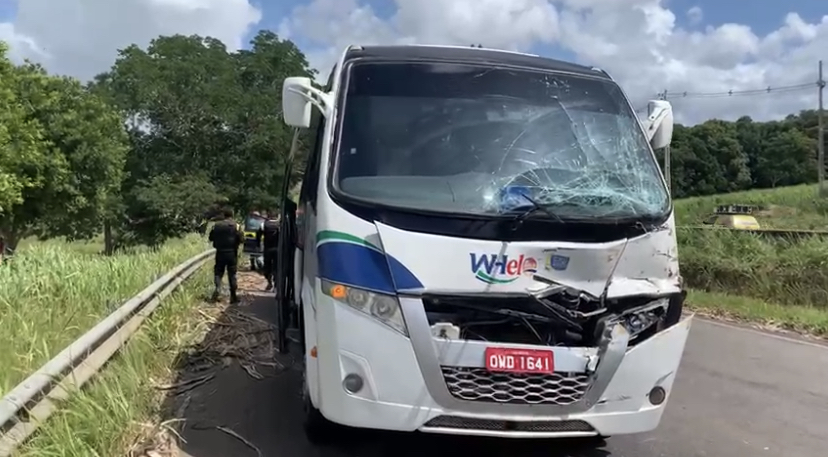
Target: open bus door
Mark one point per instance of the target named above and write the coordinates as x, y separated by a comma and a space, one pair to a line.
287, 246
284, 273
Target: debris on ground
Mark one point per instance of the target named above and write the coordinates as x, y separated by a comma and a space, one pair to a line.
240, 438
230, 336
237, 336
159, 440
251, 282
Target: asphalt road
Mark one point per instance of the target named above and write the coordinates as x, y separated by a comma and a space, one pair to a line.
739, 393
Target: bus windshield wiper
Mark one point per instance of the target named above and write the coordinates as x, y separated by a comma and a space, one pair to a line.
535, 208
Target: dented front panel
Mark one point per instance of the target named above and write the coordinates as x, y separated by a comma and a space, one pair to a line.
647, 264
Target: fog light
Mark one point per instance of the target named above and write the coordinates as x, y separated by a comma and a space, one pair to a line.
657, 395
352, 383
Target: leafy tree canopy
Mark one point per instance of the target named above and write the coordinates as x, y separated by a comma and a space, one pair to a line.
719, 156
200, 118
62, 153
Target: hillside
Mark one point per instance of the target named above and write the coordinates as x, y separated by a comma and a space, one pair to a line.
794, 207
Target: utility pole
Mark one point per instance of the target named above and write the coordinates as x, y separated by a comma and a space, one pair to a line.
667, 159
821, 136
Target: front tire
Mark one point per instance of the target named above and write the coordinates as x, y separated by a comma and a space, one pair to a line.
318, 430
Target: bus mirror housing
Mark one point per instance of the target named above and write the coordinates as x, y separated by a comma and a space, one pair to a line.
659, 123
296, 101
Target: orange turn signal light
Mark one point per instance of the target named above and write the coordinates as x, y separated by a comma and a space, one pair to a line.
338, 291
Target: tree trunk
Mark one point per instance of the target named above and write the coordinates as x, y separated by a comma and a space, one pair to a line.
109, 242
9, 244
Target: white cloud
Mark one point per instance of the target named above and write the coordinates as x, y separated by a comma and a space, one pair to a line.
332, 25
21, 46
80, 37
695, 15
637, 41
511, 24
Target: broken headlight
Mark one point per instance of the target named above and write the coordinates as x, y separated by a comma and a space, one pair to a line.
642, 318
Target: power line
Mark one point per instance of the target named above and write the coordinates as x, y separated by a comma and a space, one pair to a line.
739, 93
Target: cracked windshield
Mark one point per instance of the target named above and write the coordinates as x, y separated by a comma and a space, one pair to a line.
413, 228
483, 140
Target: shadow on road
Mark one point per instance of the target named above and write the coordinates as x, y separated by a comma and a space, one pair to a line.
235, 397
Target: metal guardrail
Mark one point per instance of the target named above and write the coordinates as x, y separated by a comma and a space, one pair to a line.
775, 233
29, 404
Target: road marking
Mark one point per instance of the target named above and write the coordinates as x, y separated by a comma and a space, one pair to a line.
763, 333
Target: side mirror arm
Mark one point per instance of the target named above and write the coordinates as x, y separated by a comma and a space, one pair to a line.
657, 115
319, 99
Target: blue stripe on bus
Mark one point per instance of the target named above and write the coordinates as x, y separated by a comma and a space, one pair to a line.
359, 266
403, 277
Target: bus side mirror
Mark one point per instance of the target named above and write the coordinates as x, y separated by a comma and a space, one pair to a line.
659, 123
296, 101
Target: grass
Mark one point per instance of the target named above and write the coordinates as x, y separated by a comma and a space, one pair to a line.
87, 247
120, 406
784, 271
800, 319
794, 207
53, 292
780, 282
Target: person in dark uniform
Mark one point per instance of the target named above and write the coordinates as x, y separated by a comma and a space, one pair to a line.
269, 233
226, 237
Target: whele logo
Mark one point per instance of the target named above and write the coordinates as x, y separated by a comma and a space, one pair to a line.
501, 269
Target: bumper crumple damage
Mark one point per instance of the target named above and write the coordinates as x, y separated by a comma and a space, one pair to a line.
615, 382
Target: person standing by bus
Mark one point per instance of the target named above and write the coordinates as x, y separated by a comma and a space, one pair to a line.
269, 233
226, 237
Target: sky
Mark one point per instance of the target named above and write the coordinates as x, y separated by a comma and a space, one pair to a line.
687, 47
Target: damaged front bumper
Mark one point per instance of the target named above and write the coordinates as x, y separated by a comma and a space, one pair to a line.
441, 386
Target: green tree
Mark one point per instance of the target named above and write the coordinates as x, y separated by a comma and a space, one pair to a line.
20, 139
66, 155
695, 169
720, 140
204, 116
166, 206
786, 159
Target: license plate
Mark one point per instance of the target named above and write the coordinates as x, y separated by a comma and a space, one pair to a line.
507, 360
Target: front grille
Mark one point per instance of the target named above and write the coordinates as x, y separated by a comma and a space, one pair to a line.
468, 423
478, 384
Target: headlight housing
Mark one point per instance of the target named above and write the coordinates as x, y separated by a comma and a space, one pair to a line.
639, 319
384, 308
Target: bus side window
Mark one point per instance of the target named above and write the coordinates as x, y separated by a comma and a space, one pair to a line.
310, 181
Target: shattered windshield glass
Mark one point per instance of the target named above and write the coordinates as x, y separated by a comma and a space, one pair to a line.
461, 138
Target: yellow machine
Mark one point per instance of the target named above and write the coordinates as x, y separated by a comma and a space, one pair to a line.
738, 217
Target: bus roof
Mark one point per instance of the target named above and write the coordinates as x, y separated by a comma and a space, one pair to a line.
471, 55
